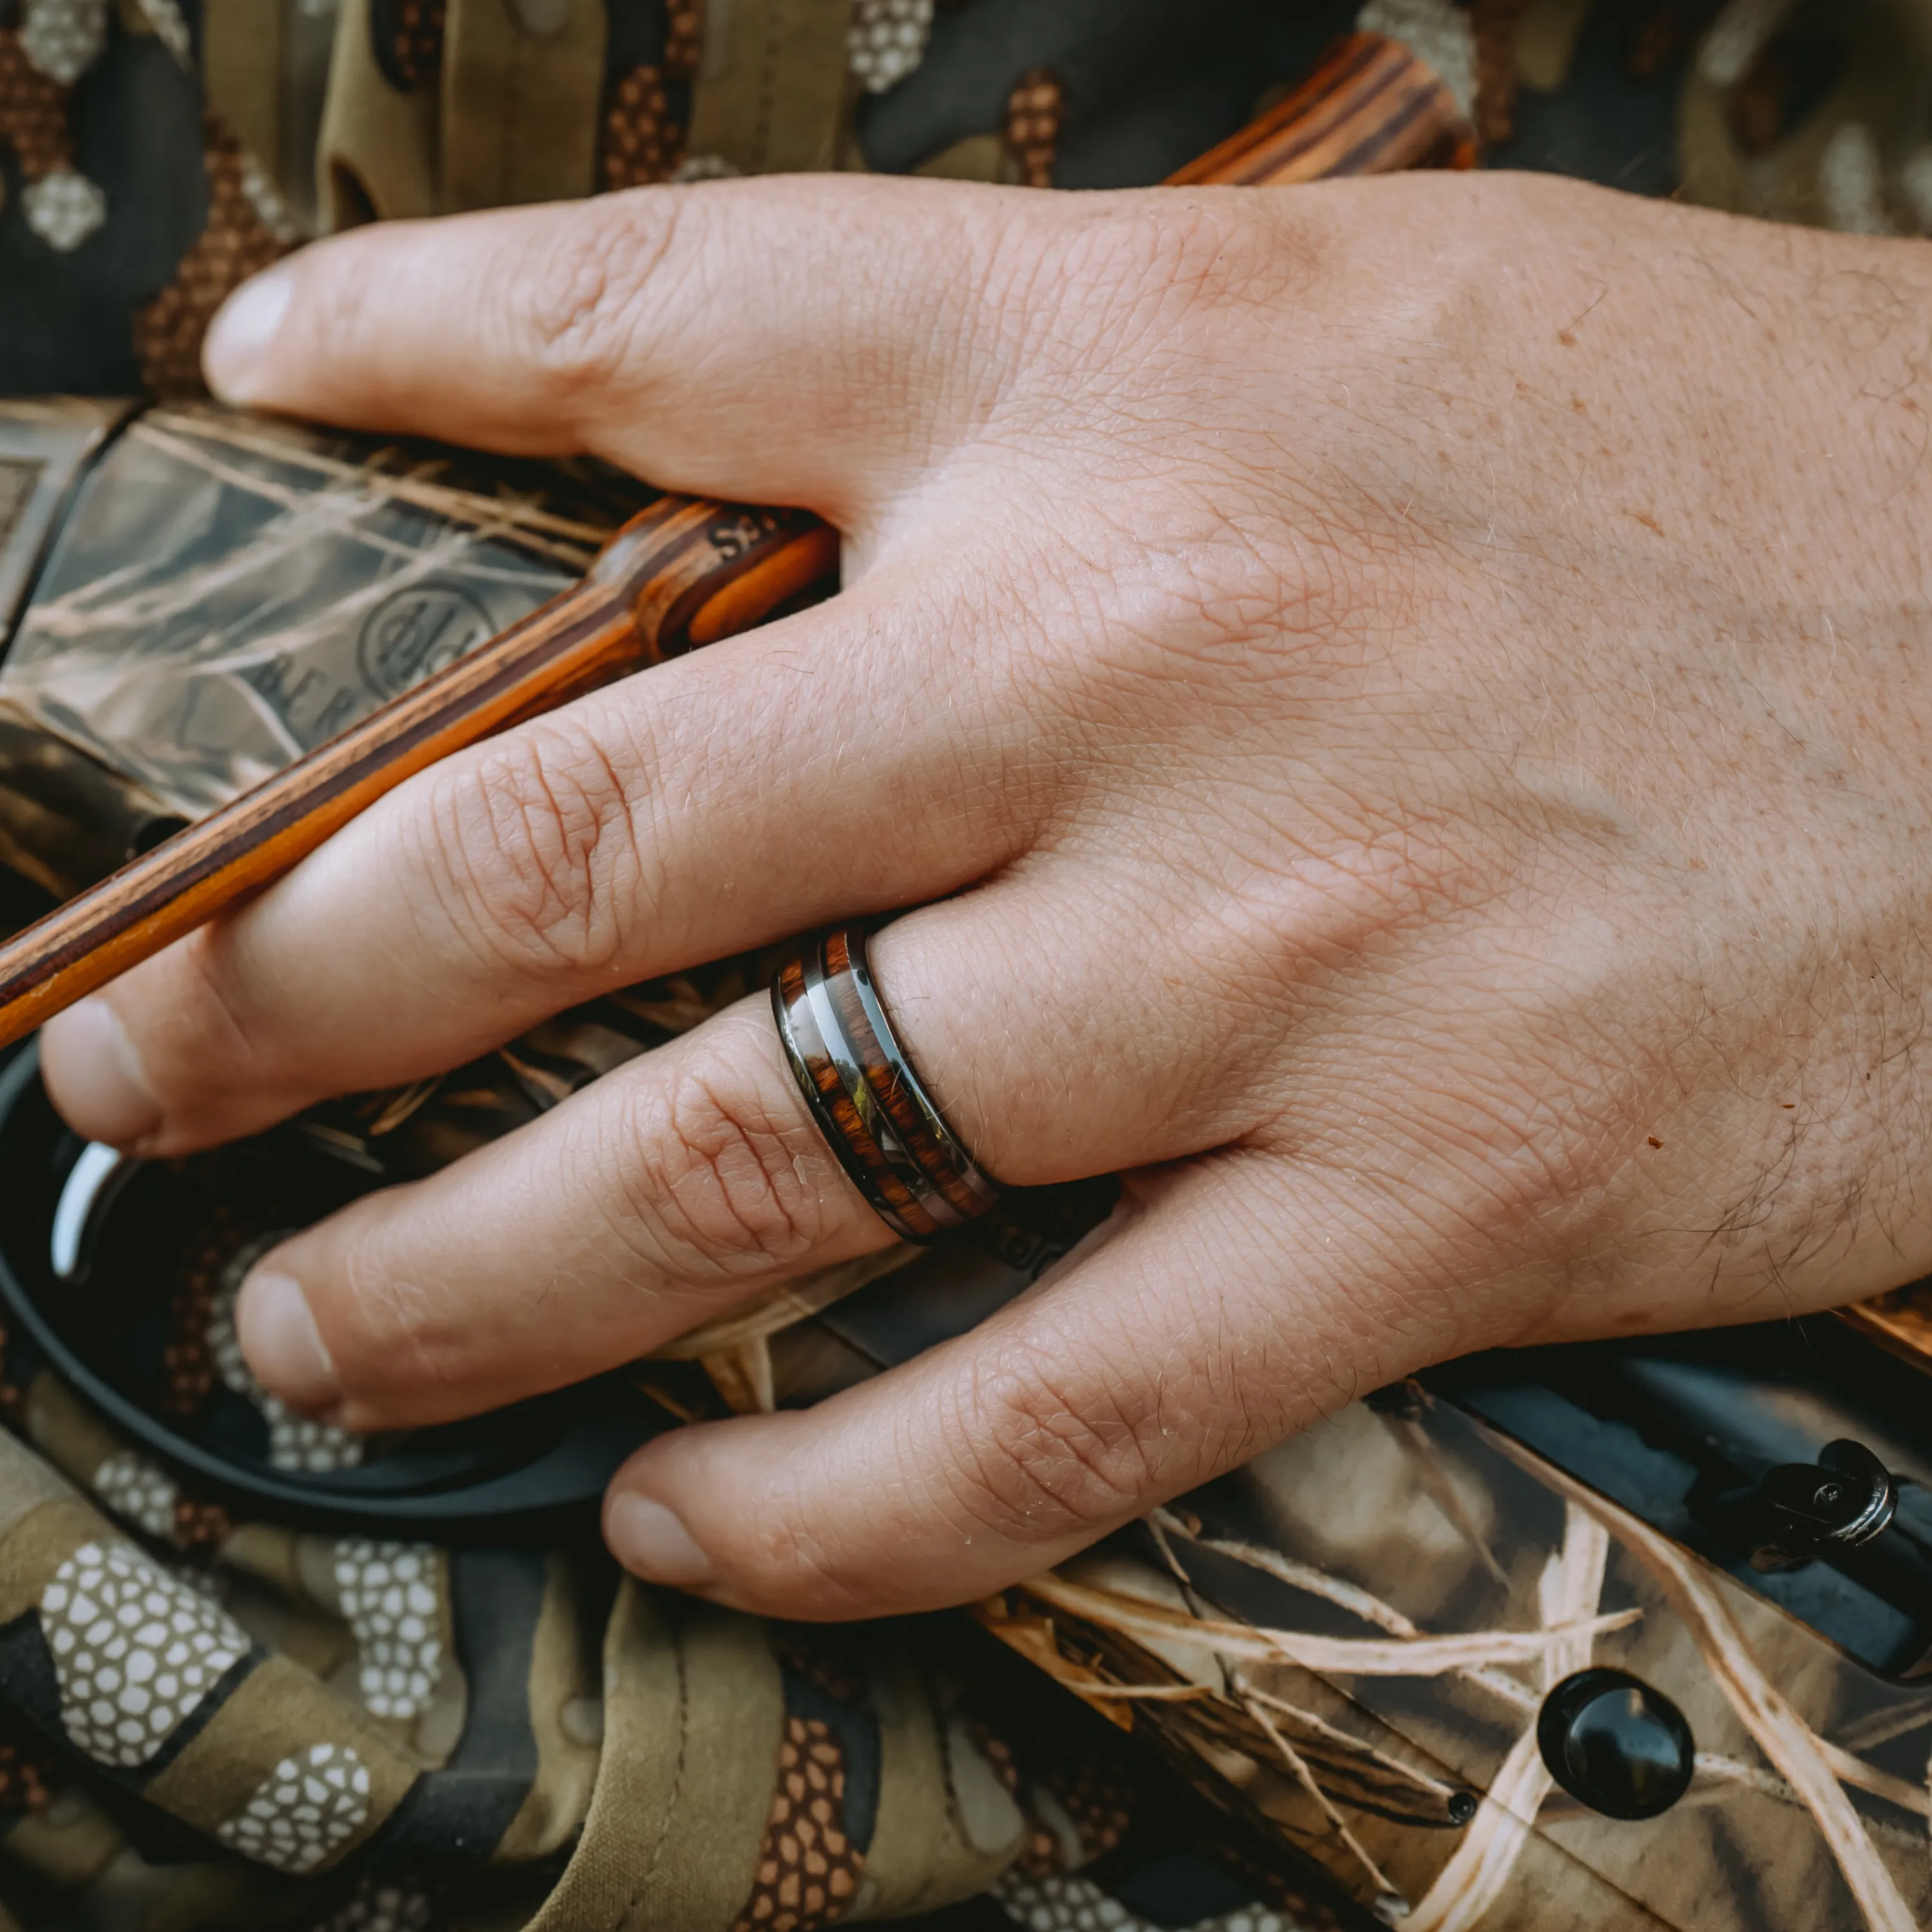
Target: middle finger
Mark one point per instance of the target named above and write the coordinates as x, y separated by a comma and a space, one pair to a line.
808, 771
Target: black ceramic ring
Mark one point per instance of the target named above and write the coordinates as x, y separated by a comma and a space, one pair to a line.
871, 1107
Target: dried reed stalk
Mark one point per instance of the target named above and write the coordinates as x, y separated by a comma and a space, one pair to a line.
1812, 1767
789, 1302
1480, 1870
1329, 1656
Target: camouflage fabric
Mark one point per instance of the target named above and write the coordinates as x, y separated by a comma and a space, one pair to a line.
1360, 1629
210, 1720
152, 152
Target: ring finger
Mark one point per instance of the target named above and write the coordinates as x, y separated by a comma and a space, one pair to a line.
684, 1181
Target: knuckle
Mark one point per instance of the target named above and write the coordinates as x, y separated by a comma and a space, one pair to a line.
1040, 1457
713, 1174
577, 310
1153, 273
536, 843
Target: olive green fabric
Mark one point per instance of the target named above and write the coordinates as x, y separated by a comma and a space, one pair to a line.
947, 1827
378, 156
772, 94
693, 1706
523, 82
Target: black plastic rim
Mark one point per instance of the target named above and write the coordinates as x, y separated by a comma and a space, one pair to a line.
516, 1468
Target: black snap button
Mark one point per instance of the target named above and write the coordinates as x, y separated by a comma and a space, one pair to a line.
1615, 1744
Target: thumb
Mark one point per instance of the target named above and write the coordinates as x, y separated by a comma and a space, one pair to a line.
1211, 1319
786, 339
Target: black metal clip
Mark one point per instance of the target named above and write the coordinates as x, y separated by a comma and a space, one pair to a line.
1809, 1509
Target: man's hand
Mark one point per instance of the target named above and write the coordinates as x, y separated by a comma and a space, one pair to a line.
1402, 711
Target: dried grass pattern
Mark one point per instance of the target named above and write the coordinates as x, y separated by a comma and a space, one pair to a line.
1131, 1638
1479, 1871
1124, 1651
248, 615
388, 474
1232, 1726
1716, 1770
1418, 1656
735, 1348
135, 595
1816, 1771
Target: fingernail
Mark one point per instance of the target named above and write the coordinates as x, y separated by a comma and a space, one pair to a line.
96, 1075
283, 1346
652, 1542
243, 328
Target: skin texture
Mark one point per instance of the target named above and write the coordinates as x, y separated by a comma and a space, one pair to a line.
1403, 712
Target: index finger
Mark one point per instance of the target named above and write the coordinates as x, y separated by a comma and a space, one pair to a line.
783, 340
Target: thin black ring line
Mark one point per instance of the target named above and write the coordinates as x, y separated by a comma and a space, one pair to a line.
823, 1038
978, 1181
828, 1129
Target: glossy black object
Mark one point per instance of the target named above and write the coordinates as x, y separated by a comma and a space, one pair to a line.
1615, 1744
1808, 1510
514, 1468
1727, 1441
